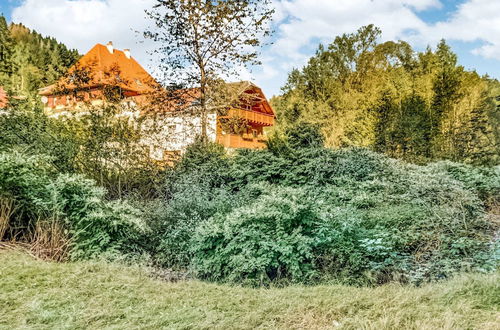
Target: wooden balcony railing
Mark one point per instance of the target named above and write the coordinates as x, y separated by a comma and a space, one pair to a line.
252, 116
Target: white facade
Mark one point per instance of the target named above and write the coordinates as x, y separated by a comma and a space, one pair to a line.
176, 133
168, 133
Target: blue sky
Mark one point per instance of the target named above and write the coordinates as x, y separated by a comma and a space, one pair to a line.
472, 28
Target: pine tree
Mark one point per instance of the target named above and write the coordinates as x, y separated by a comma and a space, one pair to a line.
6, 68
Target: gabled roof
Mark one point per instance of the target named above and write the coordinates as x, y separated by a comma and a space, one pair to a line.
4, 101
106, 68
254, 92
243, 93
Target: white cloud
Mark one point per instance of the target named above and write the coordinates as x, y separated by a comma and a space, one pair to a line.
299, 25
81, 24
474, 21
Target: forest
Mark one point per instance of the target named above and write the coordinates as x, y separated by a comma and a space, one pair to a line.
383, 168
30, 61
416, 106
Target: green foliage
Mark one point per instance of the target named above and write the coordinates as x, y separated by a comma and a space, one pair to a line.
96, 227
313, 214
33, 132
417, 106
174, 221
194, 191
270, 238
23, 180
30, 61
95, 144
485, 181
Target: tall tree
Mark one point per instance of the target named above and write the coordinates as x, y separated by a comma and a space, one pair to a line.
202, 41
5, 52
416, 106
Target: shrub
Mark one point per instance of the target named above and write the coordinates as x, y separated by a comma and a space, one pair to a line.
58, 208
370, 219
483, 180
269, 239
97, 227
23, 181
192, 200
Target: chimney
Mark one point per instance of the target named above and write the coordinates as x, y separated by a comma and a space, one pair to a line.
127, 53
110, 47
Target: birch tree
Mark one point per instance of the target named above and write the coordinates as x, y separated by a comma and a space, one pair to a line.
202, 41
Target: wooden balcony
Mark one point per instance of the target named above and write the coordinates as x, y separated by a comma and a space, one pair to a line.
252, 116
247, 141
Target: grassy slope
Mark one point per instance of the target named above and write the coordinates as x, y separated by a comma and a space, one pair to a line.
36, 294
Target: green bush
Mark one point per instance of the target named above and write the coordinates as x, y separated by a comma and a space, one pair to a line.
95, 226
483, 180
352, 215
192, 199
23, 182
269, 239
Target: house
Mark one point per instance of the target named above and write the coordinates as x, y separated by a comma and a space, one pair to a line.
105, 69
102, 68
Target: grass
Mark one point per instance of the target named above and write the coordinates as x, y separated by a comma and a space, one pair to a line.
41, 295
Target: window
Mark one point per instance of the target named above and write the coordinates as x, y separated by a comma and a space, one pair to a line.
171, 129
255, 133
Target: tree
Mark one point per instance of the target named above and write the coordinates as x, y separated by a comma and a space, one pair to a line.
416, 106
5, 52
202, 41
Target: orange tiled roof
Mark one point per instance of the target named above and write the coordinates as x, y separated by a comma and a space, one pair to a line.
108, 68
4, 101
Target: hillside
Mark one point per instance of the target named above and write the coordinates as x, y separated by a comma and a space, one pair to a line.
30, 60
37, 294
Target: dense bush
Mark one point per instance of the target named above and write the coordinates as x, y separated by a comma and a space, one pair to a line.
173, 222
23, 182
268, 216
272, 237
350, 215
95, 226
483, 180
195, 190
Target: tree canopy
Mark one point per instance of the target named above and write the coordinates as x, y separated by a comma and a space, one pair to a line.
201, 42
29, 60
418, 106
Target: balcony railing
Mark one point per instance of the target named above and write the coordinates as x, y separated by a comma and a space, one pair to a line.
252, 116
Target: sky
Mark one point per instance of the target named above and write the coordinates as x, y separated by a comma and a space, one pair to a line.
471, 27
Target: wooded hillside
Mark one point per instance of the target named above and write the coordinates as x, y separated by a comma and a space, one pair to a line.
419, 106
29, 60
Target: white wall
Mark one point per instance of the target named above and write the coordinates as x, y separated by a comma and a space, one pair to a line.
175, 133
165, 134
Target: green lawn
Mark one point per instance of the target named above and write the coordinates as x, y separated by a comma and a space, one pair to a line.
41, 295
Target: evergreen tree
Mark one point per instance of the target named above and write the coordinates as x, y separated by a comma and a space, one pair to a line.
416, 106
29, 60
6, 67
